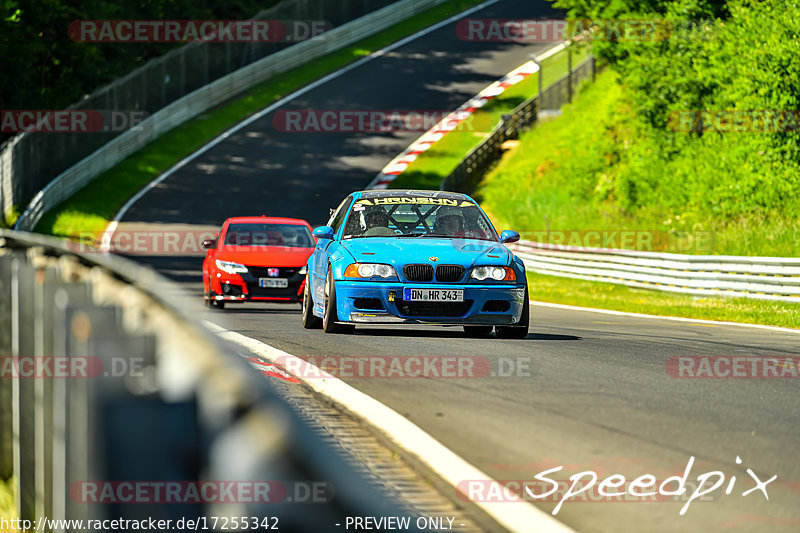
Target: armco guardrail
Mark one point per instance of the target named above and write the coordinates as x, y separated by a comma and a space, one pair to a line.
471, 169
114, 403
13, 182
763, 278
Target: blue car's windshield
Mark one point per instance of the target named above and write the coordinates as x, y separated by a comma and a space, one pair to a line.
462, 221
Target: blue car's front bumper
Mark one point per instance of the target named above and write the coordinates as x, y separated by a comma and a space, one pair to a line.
382, 303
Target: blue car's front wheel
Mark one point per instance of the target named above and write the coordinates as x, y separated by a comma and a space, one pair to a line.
310, 321
329, 316
520, 330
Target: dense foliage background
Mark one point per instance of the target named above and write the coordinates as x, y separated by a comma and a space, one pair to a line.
42, 68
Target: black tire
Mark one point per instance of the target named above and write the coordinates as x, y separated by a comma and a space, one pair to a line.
218, 304
310, 321
329, 316
477, 331
520, 330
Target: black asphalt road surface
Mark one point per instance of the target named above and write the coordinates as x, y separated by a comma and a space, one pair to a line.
587, 391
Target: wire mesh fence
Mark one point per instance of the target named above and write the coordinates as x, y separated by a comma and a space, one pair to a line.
30, 160
469, 171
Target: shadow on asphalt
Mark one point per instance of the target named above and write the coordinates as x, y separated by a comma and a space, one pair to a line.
549, 337
454, 333
291, 309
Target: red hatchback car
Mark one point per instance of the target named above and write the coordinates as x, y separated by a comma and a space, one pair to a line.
255, 259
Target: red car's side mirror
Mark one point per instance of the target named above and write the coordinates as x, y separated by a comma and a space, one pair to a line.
209, 244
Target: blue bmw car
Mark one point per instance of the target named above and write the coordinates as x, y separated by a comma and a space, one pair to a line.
415, 257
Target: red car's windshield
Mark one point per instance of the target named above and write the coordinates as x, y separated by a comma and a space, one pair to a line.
258, 234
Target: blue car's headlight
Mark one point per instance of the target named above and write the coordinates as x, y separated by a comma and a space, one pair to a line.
230, 267
369, 270
495, 273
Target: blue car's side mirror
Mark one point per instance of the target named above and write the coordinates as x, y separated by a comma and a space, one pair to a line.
323, 232
507, 236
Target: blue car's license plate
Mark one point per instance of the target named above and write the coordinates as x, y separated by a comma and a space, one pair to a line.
433, 295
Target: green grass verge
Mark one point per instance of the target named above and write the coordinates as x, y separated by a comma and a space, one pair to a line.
8, 509
542, 172
602, 295
91, 208
561, 171
432, 166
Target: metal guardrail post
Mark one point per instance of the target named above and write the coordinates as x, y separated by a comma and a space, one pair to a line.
539, 74
569, 74
46, 285
22, 331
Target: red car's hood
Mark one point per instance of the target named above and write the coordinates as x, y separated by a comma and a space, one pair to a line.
275, 256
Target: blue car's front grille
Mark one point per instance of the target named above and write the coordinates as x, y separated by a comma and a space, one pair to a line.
418, 272
449, 273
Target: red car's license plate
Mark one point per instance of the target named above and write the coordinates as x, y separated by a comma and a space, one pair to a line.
273, 283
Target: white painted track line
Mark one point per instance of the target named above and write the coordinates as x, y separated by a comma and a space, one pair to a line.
512, 514
673, 318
